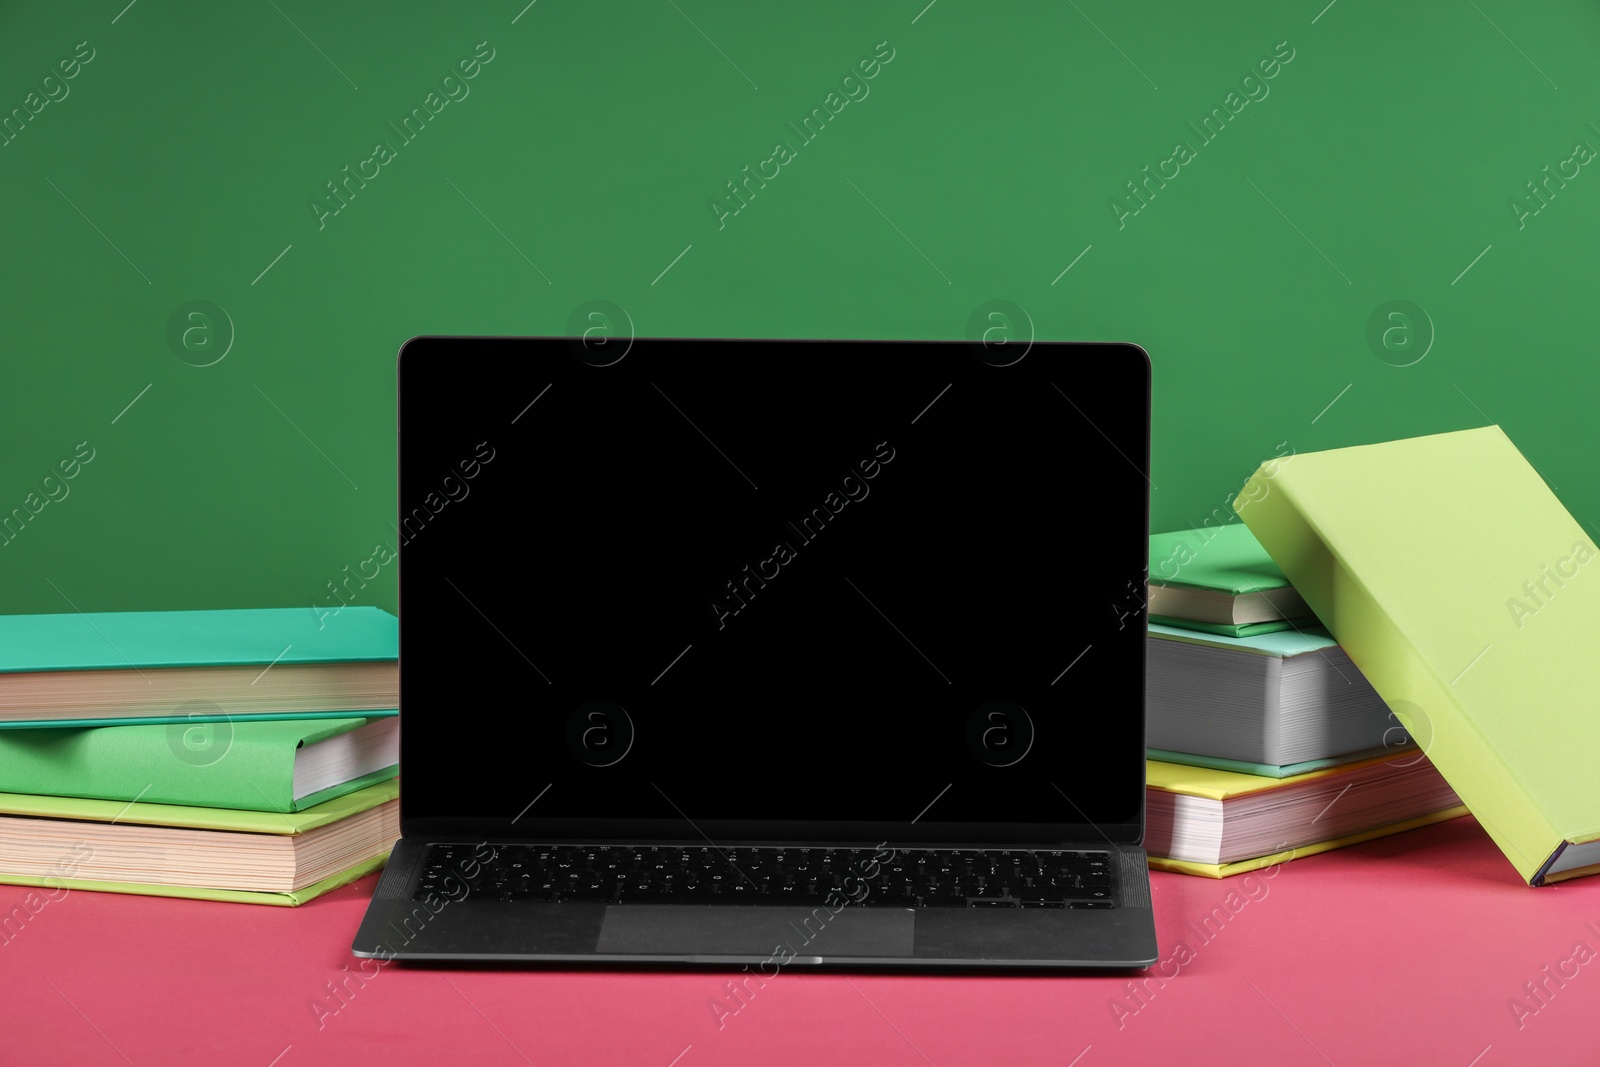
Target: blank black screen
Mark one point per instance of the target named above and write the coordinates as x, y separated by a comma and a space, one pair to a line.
861, 589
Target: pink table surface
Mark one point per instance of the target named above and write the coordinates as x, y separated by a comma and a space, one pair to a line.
1408, 950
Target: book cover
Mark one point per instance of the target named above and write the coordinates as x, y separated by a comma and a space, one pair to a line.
289, 899
1271, 770
1278, 644
1235, 629
1216, 784
1226, 559
198, 818
248, 765
1465, 592
159, 849
196, 666
226, 638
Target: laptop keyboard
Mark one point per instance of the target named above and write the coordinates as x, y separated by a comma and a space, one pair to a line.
859, 877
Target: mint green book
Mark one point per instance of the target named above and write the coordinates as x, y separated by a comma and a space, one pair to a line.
1470, 599
1274, 643
1222, 578
196, 666
252, 765
1272, 770
1254, 629
209, 853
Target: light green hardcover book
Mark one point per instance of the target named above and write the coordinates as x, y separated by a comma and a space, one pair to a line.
190, 817
1220, 577
289, 899
279, 765
212, 853
196, 666
1470, 599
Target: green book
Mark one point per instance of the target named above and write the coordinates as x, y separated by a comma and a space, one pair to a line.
1461, 587
196, 666
1220, 577
278, 765
1254, 629
211, 853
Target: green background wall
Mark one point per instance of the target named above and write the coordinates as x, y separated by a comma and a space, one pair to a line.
186, 154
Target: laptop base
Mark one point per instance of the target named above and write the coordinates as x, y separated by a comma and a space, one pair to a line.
766, 937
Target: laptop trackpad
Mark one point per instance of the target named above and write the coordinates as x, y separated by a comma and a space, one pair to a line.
689, 930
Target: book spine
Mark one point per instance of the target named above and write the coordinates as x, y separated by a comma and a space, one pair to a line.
1429, 708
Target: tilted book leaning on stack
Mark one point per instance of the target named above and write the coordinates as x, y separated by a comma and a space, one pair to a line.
1470, 599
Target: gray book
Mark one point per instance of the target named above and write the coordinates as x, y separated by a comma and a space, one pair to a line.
1279, 698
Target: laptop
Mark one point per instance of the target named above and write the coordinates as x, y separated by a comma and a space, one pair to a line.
771, 653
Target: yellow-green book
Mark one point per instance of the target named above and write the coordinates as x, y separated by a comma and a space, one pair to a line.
1470, 599
254, 857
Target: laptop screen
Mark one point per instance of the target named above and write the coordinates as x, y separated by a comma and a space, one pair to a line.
747, 590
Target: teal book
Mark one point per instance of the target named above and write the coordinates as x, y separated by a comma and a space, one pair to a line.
197, 666
1276, 770
275, 765
1222, 580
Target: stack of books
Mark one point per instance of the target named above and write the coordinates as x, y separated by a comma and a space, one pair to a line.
1265, 741
244, 755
